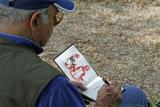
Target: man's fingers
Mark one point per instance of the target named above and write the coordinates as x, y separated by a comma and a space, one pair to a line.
117, 97
79, 85
114, 83
114, 88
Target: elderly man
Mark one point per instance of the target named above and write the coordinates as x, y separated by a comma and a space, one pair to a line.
27, 81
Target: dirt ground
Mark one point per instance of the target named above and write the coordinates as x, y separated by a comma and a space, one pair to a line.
120, 40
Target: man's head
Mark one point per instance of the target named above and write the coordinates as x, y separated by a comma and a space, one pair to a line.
33, 19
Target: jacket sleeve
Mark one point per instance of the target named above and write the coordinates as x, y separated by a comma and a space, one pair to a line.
60, 93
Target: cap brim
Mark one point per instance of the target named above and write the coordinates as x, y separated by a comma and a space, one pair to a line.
66, 5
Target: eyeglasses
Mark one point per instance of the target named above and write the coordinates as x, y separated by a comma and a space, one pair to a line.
58, 17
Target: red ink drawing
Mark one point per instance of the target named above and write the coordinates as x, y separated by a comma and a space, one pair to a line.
76, 71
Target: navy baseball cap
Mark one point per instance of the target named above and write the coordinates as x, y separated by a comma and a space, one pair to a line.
65, 5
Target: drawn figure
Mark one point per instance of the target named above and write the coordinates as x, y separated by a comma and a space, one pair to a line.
76, 71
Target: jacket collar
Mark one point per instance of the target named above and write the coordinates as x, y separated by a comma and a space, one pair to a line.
22, 41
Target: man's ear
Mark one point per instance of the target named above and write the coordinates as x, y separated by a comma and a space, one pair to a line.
34, 20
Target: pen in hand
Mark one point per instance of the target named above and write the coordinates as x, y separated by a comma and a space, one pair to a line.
122, 89
106, 81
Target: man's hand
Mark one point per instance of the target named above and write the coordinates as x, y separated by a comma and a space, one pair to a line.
83, 88
79, 85
108, 95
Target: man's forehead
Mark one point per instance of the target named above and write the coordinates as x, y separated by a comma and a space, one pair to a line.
52, 9
55, 8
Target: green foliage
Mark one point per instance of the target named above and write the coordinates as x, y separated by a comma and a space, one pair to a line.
157, 45
156, 102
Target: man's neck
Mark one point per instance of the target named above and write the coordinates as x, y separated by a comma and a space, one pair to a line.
13, 29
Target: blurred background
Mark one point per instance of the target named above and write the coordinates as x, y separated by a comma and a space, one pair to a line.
119, 38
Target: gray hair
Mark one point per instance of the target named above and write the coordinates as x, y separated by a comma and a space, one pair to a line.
20, 15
